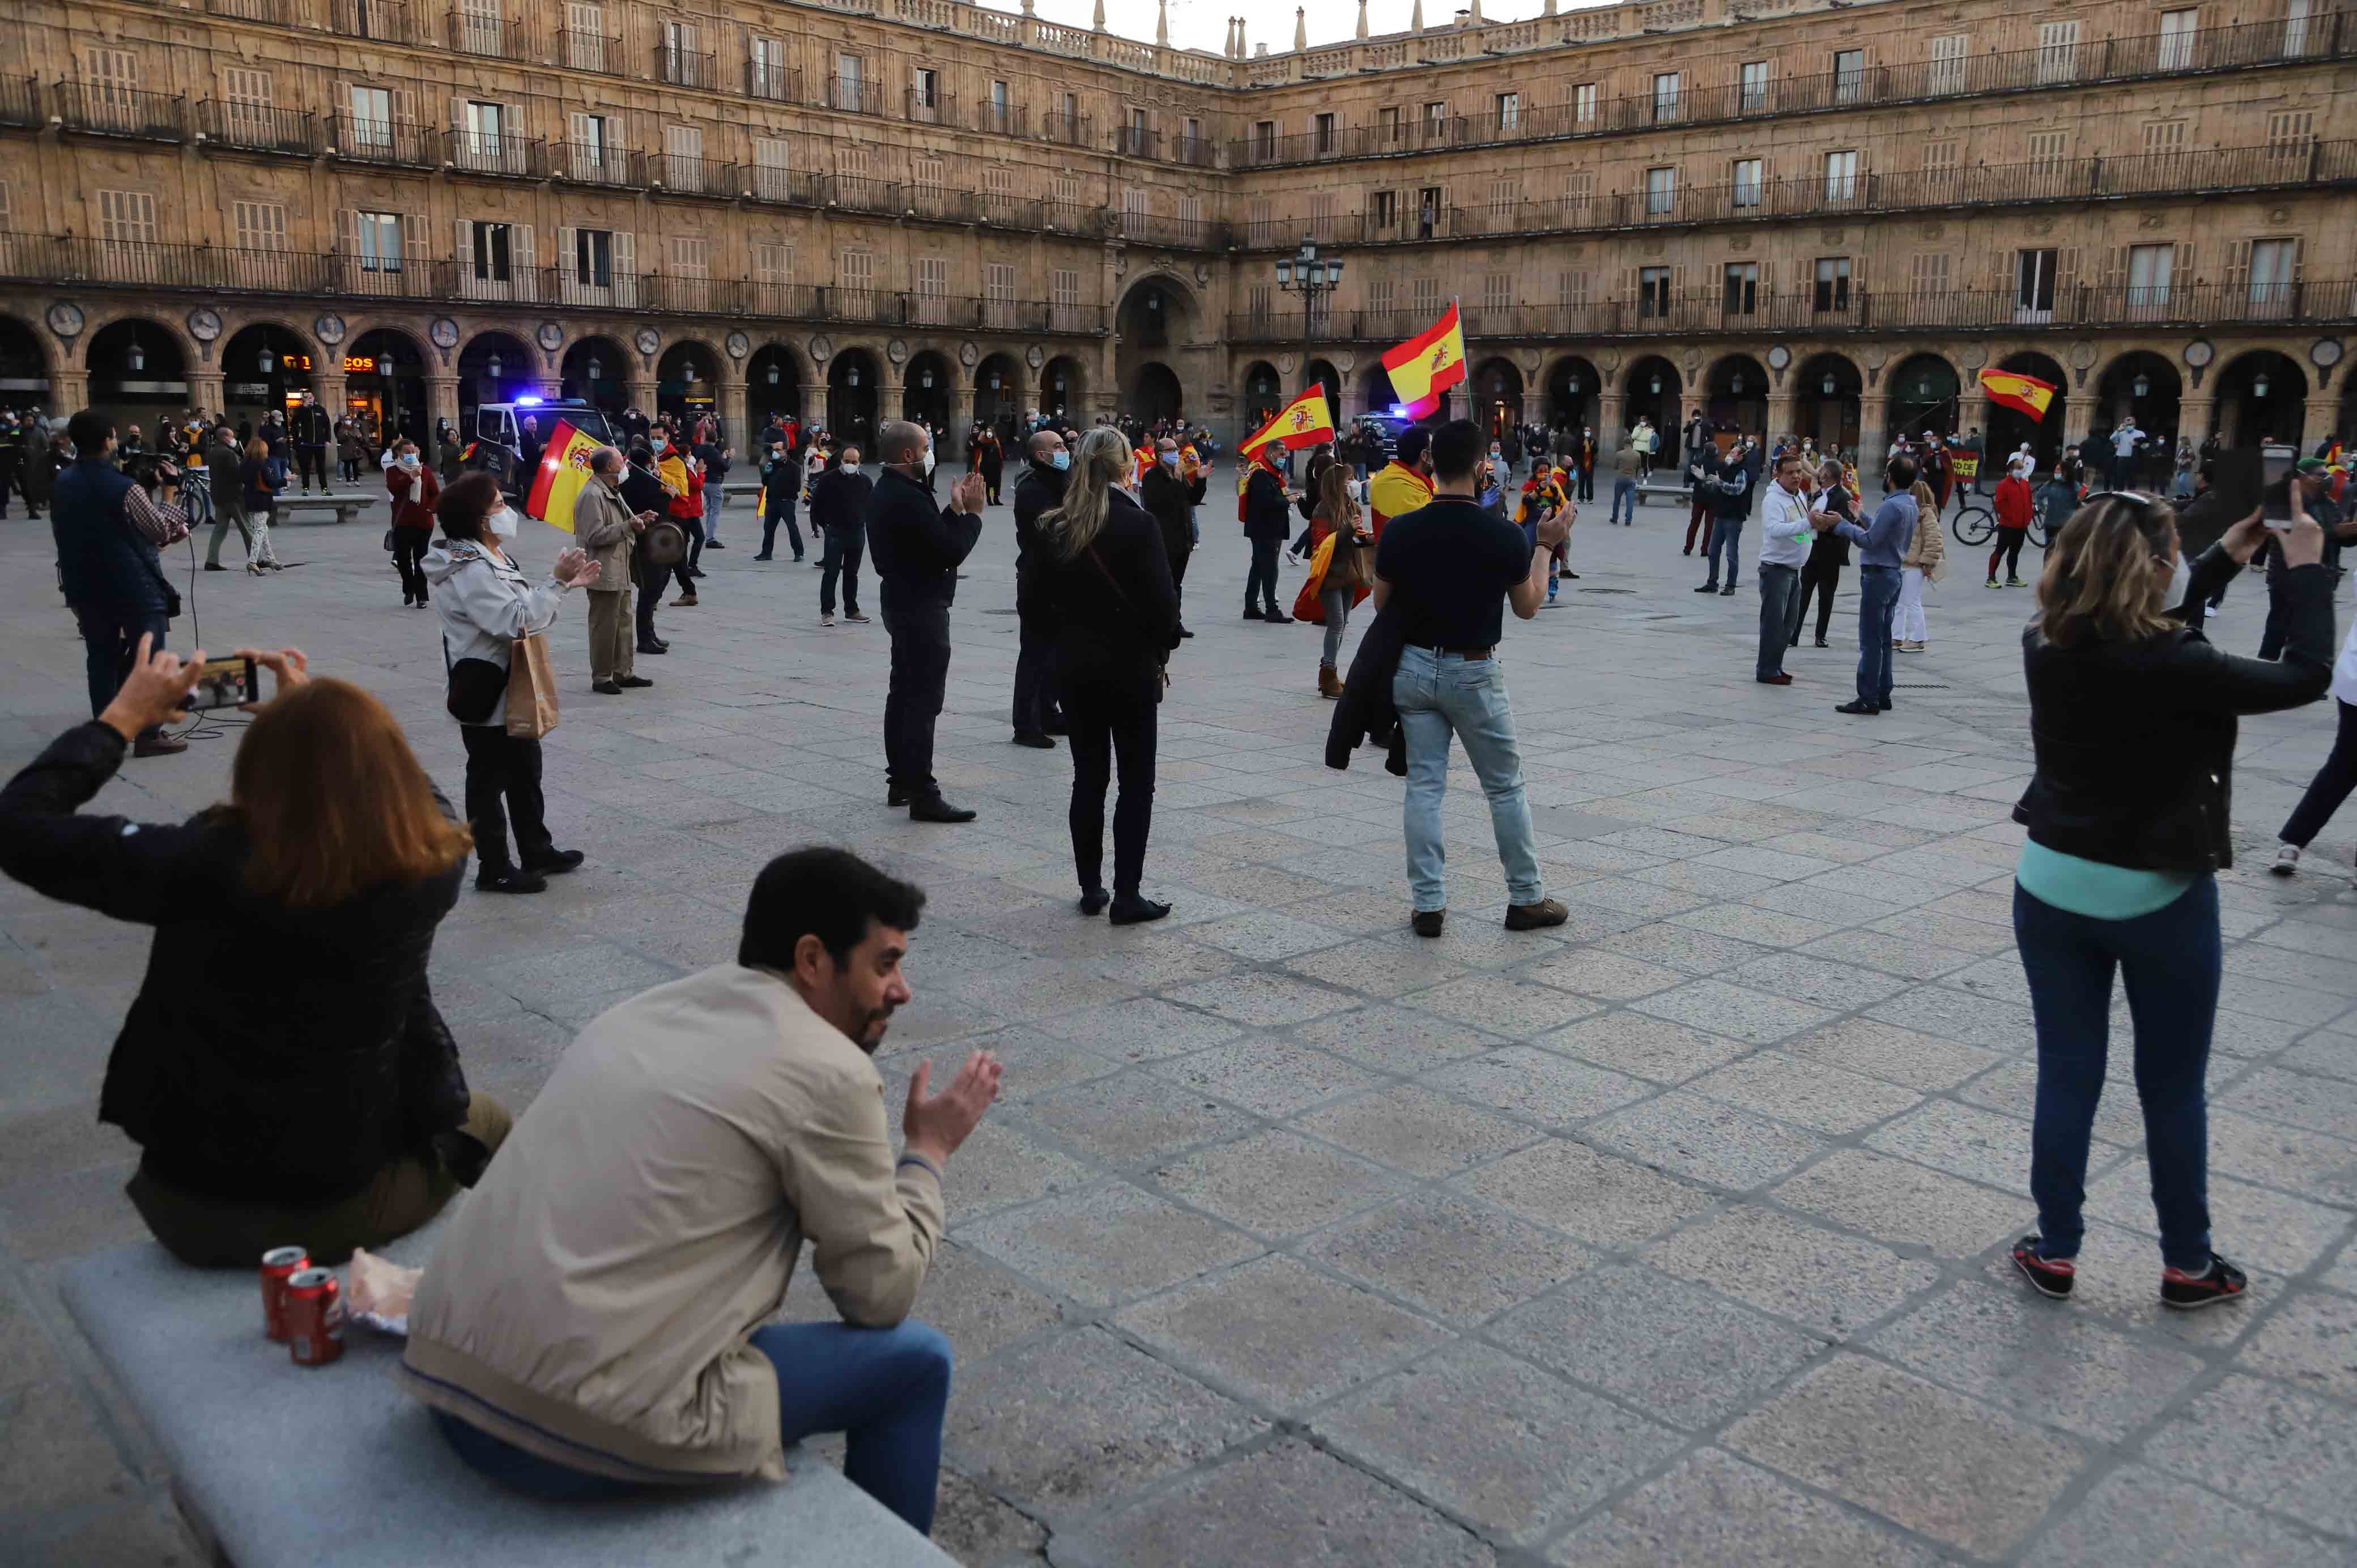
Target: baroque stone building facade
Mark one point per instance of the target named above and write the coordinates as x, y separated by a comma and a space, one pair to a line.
1811, 216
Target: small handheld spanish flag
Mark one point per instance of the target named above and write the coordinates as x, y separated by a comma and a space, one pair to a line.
564, 470
2011, 389
1303, 422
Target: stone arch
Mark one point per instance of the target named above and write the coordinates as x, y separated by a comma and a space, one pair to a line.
1064, 390
236, 323
2143, 385
26, 367
1320, 371
2010, 428
1157, 317
264, 363
1261, 392
999, 398
854, 388
929, 389
37, 347
773, 381
2262, 396
596, 369
687, 379
1375, 391
390, 405
1827, 396
1923, 397
1573, 385
1652, 388
1495, 389
96, 324
493, 366
1735, 395
159, 386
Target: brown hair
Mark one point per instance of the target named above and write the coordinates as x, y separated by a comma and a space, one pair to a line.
258, 449
333, 802
2102, 582
465, 501
1334, 503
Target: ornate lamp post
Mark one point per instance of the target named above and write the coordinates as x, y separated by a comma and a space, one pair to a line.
1304, 274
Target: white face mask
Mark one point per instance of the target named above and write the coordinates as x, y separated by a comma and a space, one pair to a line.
660, 445
503, 523
409, 459
928, 462
2178, 577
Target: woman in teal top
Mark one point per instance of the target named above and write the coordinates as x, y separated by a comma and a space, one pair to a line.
2133, 715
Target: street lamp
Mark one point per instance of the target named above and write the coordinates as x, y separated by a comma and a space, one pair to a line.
1828, 384
1302, 272
135, 358
491, 367
2259, 384
597, 371
773, 372
2140, 386
268, 362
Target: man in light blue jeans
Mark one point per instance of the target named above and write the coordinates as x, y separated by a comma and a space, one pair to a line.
1446, 570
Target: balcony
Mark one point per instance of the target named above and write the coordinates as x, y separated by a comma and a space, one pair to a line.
102, 109
491, 152
1195, 152
2146, 55
383, 21
1136, 142
1066, 130
576, 49
1002, 120
277, 13
20, 103
939, 203
854, 97
935, 108
393, 142
1181, 233
765, 79
258, 127
783, 188
481, 32
686, 68
593, 163
684, 176
861, 194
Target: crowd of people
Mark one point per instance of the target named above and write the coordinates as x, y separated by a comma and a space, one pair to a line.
592, 1328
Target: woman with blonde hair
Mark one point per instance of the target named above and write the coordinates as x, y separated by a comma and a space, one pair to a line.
2132, 718
1101, 577
1925, 549
1349, 574
283, 1067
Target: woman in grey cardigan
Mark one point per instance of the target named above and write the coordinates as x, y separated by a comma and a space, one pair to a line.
486, 602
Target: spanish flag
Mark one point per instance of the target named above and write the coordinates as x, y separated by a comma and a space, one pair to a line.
1303, 422
563, 469
1428, 364
2011, 389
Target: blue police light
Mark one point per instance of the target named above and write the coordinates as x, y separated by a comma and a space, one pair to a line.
528, 402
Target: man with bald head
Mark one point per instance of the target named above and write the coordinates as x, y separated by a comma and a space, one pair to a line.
916, 545
1038, 716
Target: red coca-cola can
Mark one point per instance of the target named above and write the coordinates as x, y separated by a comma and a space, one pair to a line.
314, 1317
278, 1265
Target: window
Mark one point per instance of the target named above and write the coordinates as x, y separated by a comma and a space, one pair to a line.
1436, 121
1498, 291
850, 82
585, 35
997, 289
249, 118
2151, 269
1428, 210
1841, 176
1751, 92
593, 257
1196, 151
2163, 136
2048, 149
1504, 196
769, 154
1383, 295
1927, 274
769, 74
589, 148
1510, 111
1427, 296
479, 27
773, 267
683, 60
1190, 216
1387, 124
2296, 14
1939, 157
114, 76
1571, 289
1383, 207
858, 274
1849, 75
1833, 283
261, 226
1135, 210
1579, 189
1068, 190
371, 118
1583, 103
380, 241
494, 250
852, 162
1746, 182
2275, 275
683, 155
1257, 221
1661, 191
127, 217
1000, 113
1740, 293
2058, 52
1652, 291
1264, 139
925, 86
1064, 286
483, 144
1322, 132
2177, 29
1947, 72
1321, 215
932, 289
1139, 134
925, 174
1667, 86
2034, 272
2291, 136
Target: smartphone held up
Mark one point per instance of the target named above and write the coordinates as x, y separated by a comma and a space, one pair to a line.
2276, 466
225, 683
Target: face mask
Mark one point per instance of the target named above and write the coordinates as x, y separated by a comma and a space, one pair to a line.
409, 459
926, 464
660, 445
1059, 459
2179, 578
503, 523
1170, 460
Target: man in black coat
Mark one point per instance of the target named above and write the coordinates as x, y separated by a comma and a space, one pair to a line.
917, 546
1267, 520
312, 432
1172, 494
642, 491
1037, 714
838, 514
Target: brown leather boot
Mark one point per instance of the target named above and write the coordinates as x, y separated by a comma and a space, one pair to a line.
1330, 685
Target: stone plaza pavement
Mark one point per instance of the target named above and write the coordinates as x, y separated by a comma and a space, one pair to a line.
1676, 1235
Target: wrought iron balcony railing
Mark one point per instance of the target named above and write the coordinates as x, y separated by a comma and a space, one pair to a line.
103, 109
258, 127
370, 141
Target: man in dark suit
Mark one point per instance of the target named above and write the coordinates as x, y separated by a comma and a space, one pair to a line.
1037, 714
917, 546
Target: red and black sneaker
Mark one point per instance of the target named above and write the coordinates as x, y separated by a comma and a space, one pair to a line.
2185, 1292
2047, 1276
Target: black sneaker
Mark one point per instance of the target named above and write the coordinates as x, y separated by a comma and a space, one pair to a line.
2187, 1292
2052, 1277
1094, 901
510, 882
557, 863
1427, 923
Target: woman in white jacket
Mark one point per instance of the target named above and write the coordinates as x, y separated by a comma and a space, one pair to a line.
486, 602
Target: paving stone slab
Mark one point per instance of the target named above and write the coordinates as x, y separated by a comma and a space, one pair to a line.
2269, 1446
1457, 1259
1706, 1141
1275, 1184
1646, 1048
1107, 1243
1536, 1086
1713, 1511
2138, 1515
1594, 1195
1832, 1285
1414, 1130
1903, 1204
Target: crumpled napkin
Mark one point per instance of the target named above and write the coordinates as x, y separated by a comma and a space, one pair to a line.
379, 1292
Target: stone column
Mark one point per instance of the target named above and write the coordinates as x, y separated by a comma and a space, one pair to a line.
441, 403
643, 392
70, 393
1873, 444
733, 410
2193, 416
1534, 410
1782, 410
207, 391
814, 402
2078, 417
1608, 420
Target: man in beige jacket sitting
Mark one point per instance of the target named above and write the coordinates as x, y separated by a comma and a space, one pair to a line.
604, 525
597, 1317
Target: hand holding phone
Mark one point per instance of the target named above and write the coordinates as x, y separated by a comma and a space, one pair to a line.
2277, 504
221, 683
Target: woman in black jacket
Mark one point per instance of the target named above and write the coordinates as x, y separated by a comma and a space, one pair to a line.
1101, 578
2132, 715
283, 1067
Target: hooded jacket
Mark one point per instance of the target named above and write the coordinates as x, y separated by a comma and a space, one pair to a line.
486, 604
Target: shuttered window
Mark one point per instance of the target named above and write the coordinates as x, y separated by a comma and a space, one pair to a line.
260, 225
127, 217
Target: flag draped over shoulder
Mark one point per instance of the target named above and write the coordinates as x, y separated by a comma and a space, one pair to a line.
1427, 365
2011, 389
563, 469
1303, 422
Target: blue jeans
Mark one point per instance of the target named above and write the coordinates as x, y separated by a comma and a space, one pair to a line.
1260, 577
2169, 961
1438, 695
712, 497
1624, 490
1877, 592
885, 1389
1779, 586
1725, 540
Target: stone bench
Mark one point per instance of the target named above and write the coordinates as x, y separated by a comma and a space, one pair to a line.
346, 508
276, 1465
731, 488
1654, 489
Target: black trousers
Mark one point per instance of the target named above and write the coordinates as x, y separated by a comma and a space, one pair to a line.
2331, 785
2278, 627
650, 590
920, 676
1262, 576
684, 568
312, 460
1036, 704
844, 547
1823, 582
2008, 549
784, 514
503, 782
1111, 723
408, 559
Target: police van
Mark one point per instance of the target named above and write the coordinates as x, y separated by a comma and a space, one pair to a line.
497, 445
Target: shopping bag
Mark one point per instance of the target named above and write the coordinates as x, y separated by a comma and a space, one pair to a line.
532, 688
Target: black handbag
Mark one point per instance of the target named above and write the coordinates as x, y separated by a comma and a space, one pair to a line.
476, 687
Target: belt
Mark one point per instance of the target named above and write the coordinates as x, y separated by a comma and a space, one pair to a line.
1471, 655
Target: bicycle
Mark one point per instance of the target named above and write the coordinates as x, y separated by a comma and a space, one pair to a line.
1977, 525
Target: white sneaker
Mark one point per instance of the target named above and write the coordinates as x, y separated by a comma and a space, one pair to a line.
826, 620
2286, 860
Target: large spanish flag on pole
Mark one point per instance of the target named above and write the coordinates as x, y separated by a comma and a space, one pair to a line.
2011, 389
1428, 364
1303, 422
563, 469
